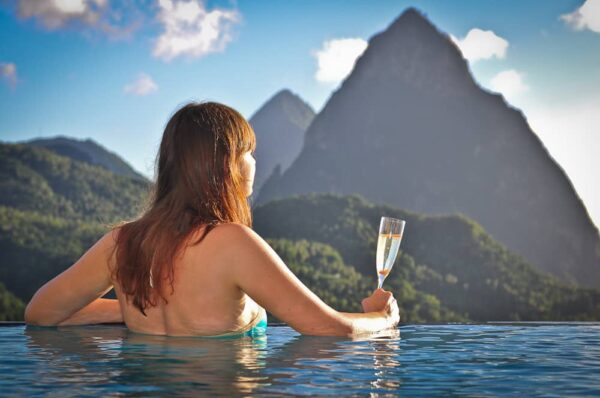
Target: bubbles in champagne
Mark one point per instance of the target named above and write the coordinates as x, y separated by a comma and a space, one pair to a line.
387, 249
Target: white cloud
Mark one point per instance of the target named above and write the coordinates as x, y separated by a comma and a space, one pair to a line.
54, 14
509, 83
143, 85
335, 60
8, 73
191, 30
586, 16
571, 134
481, 44
87, 15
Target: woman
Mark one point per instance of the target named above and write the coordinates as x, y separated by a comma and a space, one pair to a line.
191, 265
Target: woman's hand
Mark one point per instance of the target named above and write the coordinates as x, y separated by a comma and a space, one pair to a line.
384, 302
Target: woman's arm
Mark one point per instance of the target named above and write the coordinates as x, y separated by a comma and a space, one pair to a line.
74, 296
98, 311
259, 272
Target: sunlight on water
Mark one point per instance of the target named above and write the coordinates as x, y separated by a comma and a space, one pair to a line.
464, 360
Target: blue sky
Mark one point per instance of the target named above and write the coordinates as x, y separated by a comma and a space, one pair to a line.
115, 71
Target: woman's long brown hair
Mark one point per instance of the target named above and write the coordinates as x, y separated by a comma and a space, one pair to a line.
198, 183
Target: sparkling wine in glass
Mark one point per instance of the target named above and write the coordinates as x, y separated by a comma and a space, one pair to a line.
390, 235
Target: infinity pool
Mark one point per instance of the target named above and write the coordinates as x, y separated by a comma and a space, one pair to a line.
515, 359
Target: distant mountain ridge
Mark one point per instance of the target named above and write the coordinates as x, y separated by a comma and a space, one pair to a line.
448, 257
88, 151
36, 179
279, 126
411, 128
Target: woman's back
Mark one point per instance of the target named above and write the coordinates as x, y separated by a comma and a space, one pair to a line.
205, 301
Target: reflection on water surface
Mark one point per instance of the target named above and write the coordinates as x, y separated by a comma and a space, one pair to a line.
465, 360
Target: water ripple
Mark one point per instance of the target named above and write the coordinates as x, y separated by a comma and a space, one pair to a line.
514, 359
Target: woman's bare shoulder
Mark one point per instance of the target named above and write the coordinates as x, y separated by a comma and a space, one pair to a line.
233, 231
231, 239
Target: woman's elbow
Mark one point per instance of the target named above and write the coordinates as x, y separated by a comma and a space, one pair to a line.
30, 315
36, 317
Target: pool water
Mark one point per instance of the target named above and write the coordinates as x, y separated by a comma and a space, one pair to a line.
428, 360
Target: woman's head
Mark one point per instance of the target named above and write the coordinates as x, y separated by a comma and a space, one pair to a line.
205, 172
203, 160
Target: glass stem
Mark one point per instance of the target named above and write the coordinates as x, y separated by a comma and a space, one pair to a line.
381, 278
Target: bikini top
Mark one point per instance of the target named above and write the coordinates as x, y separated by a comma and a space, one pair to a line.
257, 327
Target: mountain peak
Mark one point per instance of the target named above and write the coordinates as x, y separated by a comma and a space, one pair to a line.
287, 103
286, 96
411, 127
279, 126
413, 54
415, 24
413, 16
88, 151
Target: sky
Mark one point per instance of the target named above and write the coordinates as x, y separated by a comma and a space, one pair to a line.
114, 71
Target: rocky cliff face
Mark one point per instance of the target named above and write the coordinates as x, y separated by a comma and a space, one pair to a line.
411, 128
279, 125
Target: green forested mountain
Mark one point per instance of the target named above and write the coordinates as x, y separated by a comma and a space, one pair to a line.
87, 151
322, 268
38, 180
11, 308
36, 247
450, 258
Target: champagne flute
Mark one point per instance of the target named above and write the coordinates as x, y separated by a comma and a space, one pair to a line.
390, 235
